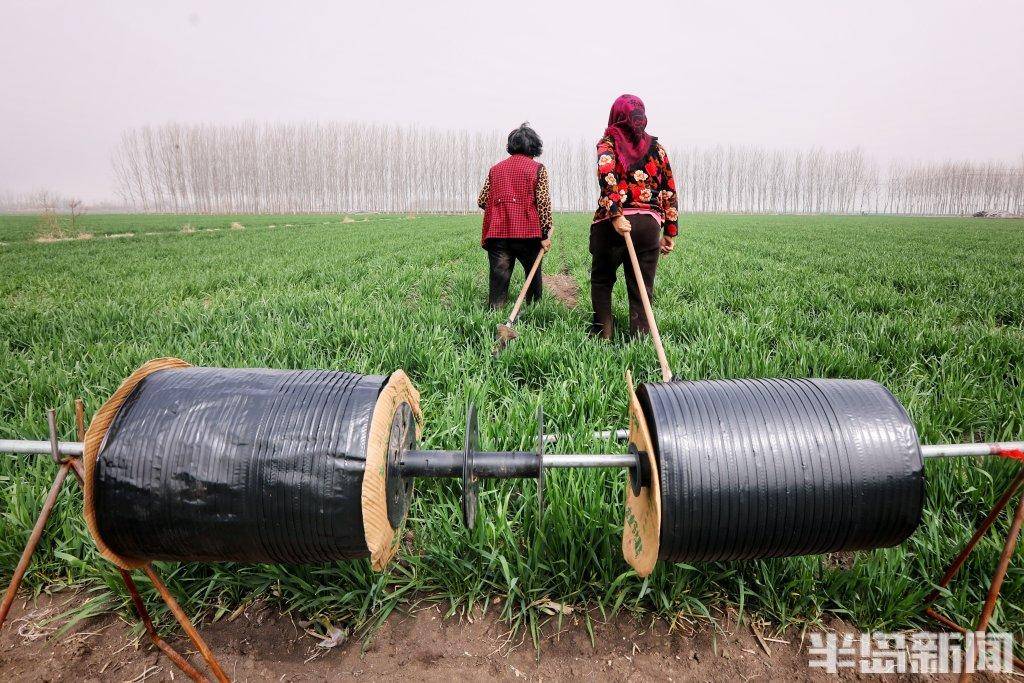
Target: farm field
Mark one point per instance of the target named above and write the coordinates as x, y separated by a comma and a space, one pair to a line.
933, 308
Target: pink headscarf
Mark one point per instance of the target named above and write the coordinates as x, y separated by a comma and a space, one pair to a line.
627, 123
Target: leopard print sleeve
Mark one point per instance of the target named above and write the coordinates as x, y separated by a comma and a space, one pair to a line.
543, 194
481, 200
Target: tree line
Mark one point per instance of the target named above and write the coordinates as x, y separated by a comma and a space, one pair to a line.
354, 167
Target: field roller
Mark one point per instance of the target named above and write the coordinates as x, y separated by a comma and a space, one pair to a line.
295, 466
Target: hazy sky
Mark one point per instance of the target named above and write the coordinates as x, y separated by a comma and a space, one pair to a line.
924, 79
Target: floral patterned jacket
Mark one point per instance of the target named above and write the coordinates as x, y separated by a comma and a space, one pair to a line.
648, 186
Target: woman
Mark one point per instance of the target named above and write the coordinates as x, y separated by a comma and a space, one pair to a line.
517, 214
638, 196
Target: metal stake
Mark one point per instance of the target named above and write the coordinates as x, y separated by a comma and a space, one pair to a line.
1004, 560
997, 580
186, 625
33, 542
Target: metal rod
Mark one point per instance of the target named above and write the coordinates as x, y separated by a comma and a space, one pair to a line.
589, 460
962, 450
605, 435
80, 419
66, 448
982, 529
186, 625
33, 541
41, 520
949, 623
1004, 564
503, 464
997, 583
51, 421
147, 622
949, 450
490, 465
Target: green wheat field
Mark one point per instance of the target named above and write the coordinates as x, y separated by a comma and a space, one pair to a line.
933, 308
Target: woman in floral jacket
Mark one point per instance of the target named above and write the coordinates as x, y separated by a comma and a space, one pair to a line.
638, 196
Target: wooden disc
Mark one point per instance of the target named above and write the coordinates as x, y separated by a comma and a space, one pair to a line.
381, 538
641, 532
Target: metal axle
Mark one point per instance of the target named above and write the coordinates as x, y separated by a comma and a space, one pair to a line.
504, 464
606, 435
423, 463
963, 450
66, 448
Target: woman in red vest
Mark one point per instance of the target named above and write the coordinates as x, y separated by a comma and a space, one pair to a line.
638, 196
517, 214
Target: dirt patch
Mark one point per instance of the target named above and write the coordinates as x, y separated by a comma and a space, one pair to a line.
564, 288
840, 560
259, 644
51, 239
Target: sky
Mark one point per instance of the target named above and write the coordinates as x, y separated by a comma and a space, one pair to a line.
903, 79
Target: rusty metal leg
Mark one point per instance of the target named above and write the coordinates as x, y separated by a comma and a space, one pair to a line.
143, 614
80, 418
33, 542
997, 579
993, 515
1004, 564
950, 624
961, 558
186, 625
41, 520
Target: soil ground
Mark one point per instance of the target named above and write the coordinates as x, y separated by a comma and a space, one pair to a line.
260, 644
563, 287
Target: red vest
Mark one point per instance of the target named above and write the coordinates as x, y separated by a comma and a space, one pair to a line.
511, 211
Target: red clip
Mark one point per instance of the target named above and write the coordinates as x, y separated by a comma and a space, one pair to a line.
1014, 454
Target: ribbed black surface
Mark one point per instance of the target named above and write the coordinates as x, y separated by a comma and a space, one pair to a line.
210, 464
772, 468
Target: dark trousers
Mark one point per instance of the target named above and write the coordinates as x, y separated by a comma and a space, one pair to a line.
502, 255
609, 251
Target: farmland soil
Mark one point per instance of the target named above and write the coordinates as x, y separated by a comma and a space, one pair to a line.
564, 288
259, 643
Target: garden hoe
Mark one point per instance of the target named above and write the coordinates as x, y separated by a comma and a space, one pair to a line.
666, 372
505, 331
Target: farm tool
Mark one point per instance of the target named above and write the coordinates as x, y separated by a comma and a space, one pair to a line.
285, 466
666, 371
505, 332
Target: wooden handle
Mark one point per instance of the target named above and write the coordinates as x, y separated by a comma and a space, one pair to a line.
666, 372
526, 286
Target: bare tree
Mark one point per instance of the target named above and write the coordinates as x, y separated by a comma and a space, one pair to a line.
75, 209
354, 166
